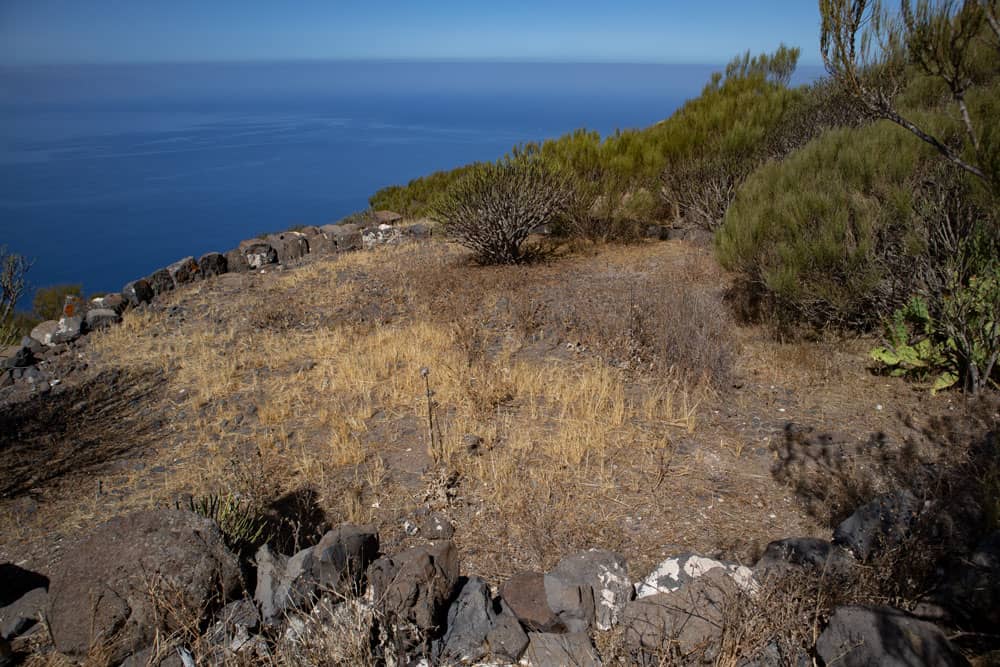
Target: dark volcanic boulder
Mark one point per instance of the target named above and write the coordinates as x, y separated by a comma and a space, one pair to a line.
213, 264
342, 557
413, 588
138, 292
524, 593
114, 587
479, 626
863, 636
882, 522
589, 587
160, 281
804, 552
184, 271
289, 246
236, 261
258, 253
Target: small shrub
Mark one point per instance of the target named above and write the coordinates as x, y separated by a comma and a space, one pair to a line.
48, 302
827, 235
494, 208
912, 351
242, 526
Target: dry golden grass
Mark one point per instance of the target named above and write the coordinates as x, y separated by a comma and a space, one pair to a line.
565, 432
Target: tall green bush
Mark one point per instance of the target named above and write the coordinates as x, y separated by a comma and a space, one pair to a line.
820, 233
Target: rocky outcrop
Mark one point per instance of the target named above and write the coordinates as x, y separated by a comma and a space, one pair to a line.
862, 636
879, 524
112, 588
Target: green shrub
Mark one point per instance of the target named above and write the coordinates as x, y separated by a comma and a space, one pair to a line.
735, 115
494, 207
820, 235
48, 302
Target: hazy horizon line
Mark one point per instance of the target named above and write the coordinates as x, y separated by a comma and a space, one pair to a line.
366, 60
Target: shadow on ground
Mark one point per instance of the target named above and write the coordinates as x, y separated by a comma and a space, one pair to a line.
76, 431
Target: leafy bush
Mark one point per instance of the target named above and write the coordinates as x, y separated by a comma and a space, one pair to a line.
495, 206
912, 350
48, 302
821, 236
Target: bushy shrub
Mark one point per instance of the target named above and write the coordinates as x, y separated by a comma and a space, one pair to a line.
48, 302
734, 114
824, 234
495, 206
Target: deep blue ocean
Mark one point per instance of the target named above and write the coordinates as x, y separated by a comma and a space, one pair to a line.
109, 172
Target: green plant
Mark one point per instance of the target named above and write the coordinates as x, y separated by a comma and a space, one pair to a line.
48, 301
912, 350
495, 206
242, 526
961, 343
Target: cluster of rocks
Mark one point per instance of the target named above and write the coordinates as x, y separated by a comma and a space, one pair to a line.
114, 587
51, 338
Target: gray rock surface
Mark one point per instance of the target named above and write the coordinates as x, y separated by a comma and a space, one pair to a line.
865, 636
113, 301
184, 271
674, 572
283, 583
688, 620
290, 246
805, 552
106, 588
258, 253
880, 523
236, 261
23, 613
43, 332
601, 574
548, 650
98, 318
160, 281
69, 329
342, 557
479, 627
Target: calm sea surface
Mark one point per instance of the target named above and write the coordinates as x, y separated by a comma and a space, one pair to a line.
109, 172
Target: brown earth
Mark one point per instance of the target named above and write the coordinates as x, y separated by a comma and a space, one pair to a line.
618, 403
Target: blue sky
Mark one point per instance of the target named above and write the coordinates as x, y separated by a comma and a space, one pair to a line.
664, 31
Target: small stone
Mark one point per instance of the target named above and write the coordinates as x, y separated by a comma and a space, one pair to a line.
69, 329
882, 522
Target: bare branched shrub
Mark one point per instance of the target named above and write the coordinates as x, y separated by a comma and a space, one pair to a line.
494, 207
13, 268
